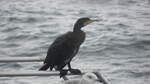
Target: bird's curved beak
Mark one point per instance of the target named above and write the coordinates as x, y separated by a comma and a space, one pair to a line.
97, 20
90, 21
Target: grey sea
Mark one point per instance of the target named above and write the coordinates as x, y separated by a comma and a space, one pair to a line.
118, 46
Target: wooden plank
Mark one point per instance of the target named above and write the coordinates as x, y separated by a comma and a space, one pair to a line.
28, 73
43, 73
21, 59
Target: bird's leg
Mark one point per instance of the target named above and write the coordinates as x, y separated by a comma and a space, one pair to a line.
73, 71
63, 72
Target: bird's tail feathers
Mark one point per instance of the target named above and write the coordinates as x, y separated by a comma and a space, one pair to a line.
44, 67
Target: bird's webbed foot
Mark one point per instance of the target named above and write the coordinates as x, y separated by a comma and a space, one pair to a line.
75, 71
63, 73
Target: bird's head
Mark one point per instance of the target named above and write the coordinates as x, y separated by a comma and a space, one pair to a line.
81, 22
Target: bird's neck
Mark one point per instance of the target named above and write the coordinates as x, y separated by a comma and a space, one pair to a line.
77, 28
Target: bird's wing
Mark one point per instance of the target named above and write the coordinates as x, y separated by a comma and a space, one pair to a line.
57, 48
74, 53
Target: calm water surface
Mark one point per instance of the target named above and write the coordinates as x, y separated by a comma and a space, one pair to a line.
118, 46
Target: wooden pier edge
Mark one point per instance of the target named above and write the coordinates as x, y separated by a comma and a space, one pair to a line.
21, 59
43, 73
29, 73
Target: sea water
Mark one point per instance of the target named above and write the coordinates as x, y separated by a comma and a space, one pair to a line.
118, 46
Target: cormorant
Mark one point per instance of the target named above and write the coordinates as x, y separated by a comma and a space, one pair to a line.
65, 47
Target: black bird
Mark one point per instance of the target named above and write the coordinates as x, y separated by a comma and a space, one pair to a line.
65, 47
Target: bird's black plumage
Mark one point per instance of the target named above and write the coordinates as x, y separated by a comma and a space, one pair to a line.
65, 47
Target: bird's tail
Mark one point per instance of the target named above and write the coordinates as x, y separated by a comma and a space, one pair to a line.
44, 67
